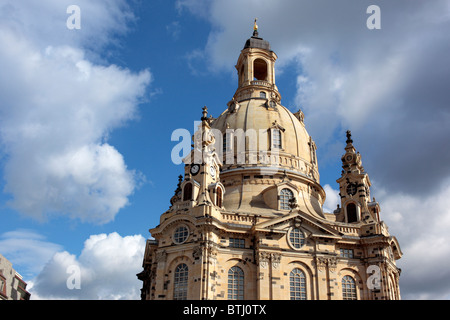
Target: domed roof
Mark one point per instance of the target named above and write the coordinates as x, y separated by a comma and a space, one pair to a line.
255, 116
256, 42
253, 185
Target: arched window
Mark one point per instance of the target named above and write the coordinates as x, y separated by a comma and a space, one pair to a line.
348, 288
285, 196
187, 194
260, 69
219, 197
297, 283
235, 284
262, 94
352, 215
180, 283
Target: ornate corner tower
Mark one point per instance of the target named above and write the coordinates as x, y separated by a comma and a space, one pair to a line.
246, 220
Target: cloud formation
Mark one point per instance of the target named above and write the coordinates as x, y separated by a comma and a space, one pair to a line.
423, 225
105, 270
58, 102
28, 249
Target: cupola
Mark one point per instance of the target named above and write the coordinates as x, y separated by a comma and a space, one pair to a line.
256, 70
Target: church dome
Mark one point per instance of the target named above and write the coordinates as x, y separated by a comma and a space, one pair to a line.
256, 117
265, 147
256, 42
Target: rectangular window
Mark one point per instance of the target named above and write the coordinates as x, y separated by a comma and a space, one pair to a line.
276, 139
236, 243
224, 143
347, 253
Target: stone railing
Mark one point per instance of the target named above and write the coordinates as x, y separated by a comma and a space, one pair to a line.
263, 83
347, 230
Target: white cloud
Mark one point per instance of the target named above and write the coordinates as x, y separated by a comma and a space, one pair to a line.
45, 22
57, 108
108, 266
332, 199
27, 250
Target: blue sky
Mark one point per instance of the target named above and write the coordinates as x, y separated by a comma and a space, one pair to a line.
86, 118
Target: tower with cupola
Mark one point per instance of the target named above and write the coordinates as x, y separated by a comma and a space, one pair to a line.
354, 186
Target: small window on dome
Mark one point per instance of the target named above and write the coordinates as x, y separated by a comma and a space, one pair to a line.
262, 94
276, 139
224, 143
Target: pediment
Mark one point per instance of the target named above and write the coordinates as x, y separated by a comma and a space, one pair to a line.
276, 125
282, 224
284, 183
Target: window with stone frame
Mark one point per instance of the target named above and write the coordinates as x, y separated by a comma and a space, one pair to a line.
181, 234
276, 139
296, 238
219, 197
236, 243
285, 196
297, 285
352, 215
348, 288
180, 283
346, 253
187, 192
235, 283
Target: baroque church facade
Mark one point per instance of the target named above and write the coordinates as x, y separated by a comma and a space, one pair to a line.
246, 221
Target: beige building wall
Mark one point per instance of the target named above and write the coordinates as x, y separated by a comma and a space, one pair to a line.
12, 286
